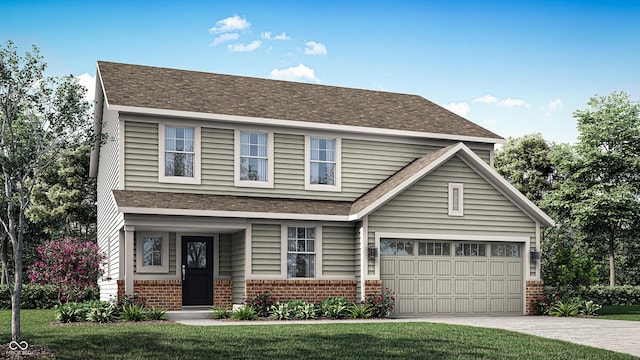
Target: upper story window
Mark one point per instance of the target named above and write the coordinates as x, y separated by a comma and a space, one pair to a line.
179, 154
456, 199
152, 253
254, 159
322, 163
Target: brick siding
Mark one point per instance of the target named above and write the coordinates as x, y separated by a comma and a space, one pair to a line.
165, 294
372, 287
313, 291
534, 290
222, 293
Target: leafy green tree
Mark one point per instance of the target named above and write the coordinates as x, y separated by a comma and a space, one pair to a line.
526, 164
39, 117
564, 264
599, 196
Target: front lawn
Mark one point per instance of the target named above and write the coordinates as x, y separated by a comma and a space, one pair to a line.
627, 312
313, 341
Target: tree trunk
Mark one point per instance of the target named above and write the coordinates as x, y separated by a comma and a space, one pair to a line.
612, 268
15, 311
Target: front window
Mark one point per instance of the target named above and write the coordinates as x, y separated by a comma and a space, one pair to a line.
152, 247
301, 254
152, 252
253, 156
179, 151
323, 161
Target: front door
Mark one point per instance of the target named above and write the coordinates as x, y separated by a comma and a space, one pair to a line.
197, 270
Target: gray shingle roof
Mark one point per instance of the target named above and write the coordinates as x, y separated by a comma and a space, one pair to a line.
171, 89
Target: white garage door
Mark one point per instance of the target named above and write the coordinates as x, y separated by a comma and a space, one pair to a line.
452, 277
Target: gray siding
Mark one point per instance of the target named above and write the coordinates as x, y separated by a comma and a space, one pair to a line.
423, 208
173, 253
338, 252
108, 218
224, 256
237, 267
265, 249
365, 163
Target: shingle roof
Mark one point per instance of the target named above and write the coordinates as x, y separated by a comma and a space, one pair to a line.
181, 90
229, 203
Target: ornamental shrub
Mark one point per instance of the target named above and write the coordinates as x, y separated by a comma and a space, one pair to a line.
611, 295
381, 305
69, 264
262, 303
335, 307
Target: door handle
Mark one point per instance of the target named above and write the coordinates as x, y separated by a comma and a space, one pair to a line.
184, 270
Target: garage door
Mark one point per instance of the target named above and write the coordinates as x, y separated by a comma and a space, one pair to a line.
450, 277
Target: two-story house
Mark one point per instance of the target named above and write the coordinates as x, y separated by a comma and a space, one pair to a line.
212, 188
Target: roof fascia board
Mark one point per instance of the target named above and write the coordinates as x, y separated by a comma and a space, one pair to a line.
232, 214
405, 184
500, 183
298, 124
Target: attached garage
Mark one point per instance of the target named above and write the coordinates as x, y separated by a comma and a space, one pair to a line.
432, 277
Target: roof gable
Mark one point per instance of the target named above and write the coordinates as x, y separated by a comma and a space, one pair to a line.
144, 87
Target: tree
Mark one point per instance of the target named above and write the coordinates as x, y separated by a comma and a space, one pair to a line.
40, 117
525, 163
601, 193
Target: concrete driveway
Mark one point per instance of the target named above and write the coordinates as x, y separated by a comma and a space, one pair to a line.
615, 335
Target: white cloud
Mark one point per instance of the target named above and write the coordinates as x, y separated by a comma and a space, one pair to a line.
232, 23
296, 73
487, 99
461, 108
225, 37
245, 48
314, 48
267, 35
555, 105
89, 82
509, 102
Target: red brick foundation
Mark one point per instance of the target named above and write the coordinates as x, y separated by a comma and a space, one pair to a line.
222, 293
372, 287
534, 290
165, 294
313, 291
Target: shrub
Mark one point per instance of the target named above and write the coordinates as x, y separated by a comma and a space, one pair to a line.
69, 312
70, 264
305, 311
335, 307
611, 295
126, 300
244, 312
262, 303
104, 312
565, 309
281, 311
133, 312
156, 314
360, 312
381, 304
553, 295
590, 308
34, 296
220, 313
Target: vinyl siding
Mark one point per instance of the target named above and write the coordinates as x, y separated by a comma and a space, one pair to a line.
265, 249
338, 252
108, 219
365, 163
237, 267
224, 256
423, 208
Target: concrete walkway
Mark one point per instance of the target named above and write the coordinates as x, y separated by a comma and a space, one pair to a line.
615, 335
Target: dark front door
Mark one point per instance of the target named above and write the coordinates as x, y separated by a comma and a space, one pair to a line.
197, 270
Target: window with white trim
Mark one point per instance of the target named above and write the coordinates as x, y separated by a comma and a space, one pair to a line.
322, 163
456, 199
152, 252
301, 252
179, 154
505, 250
254, 159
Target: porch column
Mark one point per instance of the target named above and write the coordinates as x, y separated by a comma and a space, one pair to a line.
129, 232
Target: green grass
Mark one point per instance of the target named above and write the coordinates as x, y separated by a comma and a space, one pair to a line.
628, 312
314, 341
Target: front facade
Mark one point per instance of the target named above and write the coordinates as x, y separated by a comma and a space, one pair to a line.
212, 188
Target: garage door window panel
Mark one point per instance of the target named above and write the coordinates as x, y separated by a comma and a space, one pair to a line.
470, 249
505, 250
431, 248
394, 247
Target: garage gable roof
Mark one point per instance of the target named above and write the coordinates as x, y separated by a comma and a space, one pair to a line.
424, 165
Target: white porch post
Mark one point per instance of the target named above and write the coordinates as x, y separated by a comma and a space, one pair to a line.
128, 259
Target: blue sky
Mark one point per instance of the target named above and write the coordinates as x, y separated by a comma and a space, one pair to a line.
514, 67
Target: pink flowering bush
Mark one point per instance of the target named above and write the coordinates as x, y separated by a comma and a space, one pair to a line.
381, 305
69, 264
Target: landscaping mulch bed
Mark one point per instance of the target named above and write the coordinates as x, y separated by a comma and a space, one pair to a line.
32, 352
114, 323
